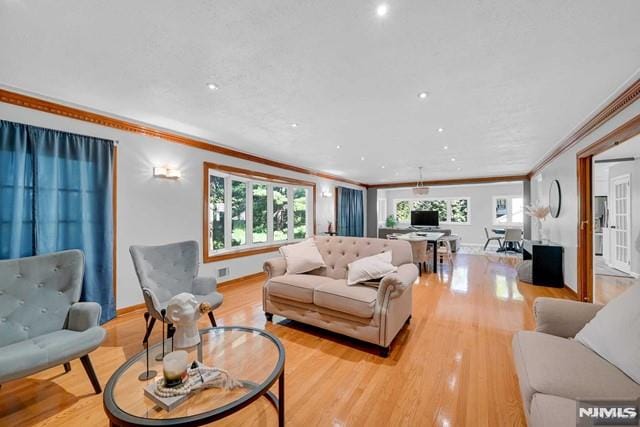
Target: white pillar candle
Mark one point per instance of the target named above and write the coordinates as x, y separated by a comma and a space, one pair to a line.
175, 366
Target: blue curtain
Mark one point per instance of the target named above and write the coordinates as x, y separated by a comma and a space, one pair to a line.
350, 212
63, 198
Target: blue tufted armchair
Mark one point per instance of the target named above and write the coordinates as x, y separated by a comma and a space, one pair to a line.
167, 270
41, 323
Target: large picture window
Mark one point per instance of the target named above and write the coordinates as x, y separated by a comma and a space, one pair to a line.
450, 210
508, 210
250, 211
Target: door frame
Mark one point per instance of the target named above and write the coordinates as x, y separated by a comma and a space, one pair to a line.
584, 160
626, 178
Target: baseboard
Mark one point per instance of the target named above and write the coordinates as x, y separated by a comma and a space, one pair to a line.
141, 306
125, 310
254, 276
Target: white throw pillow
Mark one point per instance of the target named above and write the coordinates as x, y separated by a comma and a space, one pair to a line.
614, 333
369, 268
302, 257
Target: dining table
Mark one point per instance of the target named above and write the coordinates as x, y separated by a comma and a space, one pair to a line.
431, 237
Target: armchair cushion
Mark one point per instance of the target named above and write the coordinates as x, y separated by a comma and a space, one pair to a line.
562, 318
84, 315
35, 354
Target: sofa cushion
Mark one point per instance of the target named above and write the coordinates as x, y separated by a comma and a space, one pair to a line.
552, 411
565, 368
296, 287
356, 300
30, 356
614, 333
302, 257
370, 268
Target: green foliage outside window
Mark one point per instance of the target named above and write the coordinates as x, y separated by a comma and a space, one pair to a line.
460, 210
432, 205
299, 213
403, 211
238, 213
216, 209
259, 213
280, 213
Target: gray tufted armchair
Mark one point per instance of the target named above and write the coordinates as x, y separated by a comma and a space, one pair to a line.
167, 270
41, 323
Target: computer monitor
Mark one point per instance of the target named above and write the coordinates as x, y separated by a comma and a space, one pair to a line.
424, 218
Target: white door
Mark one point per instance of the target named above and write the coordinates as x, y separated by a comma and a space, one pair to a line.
620, 223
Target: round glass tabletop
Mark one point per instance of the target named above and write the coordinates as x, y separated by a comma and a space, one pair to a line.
253, 356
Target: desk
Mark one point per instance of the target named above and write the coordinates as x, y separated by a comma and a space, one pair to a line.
430, 237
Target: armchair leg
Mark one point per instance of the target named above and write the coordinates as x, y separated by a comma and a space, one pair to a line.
67, 367
269, 317
88, 367
212, 319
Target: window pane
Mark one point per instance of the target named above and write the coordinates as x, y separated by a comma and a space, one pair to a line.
216, 212
259, 213
299, 213
516, 210
280, 218
238, 213
460, 210
501, 211
432, 205
402, 211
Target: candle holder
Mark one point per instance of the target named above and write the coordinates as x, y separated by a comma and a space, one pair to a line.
147, 374
163, 313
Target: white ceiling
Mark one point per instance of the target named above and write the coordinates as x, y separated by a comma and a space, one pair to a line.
507, 79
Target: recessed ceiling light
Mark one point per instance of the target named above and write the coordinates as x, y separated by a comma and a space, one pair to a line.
338, 147
294, 125
459, 169
362, 158
382, 166
453, 159
382, 9
446, 147
212, 86
423, 95
440, 130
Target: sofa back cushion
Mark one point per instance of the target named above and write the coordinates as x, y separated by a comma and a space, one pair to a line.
36, 293
338, 252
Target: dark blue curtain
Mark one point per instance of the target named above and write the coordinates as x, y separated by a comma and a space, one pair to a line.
61, 195
350, 212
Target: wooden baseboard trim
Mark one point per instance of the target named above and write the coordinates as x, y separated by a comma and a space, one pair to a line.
142, 306
254, 276
131, 308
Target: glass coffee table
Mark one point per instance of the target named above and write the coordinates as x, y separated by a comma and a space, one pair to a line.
253, 356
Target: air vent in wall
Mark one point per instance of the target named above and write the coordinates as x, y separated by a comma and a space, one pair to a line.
223, 272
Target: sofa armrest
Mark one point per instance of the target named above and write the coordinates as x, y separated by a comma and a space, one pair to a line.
561, 317
204, 285
397, 282
83, 316
275, 267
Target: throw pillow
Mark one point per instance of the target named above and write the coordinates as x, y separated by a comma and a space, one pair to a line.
614, 333
302, 257
370, 268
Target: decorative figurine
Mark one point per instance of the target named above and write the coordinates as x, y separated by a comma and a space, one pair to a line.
183, 312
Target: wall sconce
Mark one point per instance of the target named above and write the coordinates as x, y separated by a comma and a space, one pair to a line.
164, 172
326, 194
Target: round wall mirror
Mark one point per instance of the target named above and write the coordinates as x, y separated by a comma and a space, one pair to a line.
555, 198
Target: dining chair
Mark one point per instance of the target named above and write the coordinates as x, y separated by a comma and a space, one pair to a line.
512, 238
420, 255
444, 249
491, 238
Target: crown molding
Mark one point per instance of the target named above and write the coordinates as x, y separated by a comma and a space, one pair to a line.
619, 103
455, 181
34, 103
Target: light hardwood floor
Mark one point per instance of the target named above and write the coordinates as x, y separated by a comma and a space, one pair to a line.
451, 366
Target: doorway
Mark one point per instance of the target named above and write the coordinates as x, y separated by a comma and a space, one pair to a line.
609, 202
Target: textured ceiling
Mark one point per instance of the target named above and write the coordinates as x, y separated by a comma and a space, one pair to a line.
507, 79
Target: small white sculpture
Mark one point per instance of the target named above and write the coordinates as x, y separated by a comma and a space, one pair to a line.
183, 312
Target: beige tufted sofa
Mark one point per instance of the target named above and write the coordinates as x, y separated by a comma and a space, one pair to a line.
371, 313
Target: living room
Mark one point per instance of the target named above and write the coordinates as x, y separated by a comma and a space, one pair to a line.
221, 212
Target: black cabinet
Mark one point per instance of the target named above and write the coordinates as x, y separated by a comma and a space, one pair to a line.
542, 264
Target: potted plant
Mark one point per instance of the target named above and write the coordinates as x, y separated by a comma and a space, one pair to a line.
391, 221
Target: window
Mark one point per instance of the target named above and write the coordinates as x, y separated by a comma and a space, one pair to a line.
250, 210
450, 210
508, 210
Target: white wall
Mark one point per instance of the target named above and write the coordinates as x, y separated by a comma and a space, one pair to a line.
564, 229
480, 205
155, 211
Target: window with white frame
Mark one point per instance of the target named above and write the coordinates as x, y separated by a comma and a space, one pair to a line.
508, 210
246, 212
451, 210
